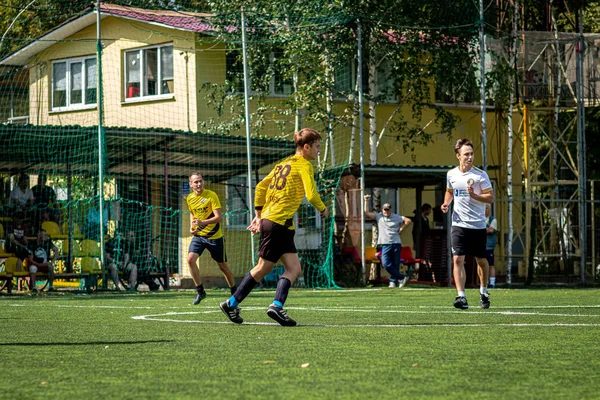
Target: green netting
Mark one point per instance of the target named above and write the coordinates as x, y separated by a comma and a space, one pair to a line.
169, 81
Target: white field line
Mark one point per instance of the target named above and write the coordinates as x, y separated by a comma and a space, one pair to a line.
153, 318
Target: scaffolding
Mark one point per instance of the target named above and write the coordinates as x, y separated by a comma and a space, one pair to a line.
558, 75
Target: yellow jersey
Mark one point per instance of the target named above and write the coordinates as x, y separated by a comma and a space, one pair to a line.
202, 207
279, 195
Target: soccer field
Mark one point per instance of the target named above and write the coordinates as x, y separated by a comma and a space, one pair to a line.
372, 343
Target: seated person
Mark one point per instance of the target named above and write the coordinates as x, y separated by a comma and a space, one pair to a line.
92, 223
21, 197
41, 261
118, 257
44, 200
16, 242
141, 259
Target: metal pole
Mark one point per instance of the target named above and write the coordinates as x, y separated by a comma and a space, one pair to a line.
362, 151
482, 89
247, 118
593, 213
581, 149
513, 63
100, 136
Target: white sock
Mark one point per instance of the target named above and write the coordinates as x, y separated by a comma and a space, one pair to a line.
461, 293
492, 280
482, 289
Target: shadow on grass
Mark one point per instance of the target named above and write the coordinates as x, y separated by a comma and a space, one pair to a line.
29, 344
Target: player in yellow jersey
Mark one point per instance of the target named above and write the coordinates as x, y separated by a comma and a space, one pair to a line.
277, 198
205, 225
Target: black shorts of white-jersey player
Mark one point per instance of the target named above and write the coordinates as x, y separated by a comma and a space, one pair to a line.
470, 189
277, 198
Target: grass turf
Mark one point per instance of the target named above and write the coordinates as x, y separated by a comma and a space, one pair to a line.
385, 343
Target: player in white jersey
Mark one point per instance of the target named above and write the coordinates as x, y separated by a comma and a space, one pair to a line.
471, 189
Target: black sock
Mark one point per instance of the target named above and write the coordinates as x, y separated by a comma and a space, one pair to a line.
233, 289
244, 289
283, 287
200, 288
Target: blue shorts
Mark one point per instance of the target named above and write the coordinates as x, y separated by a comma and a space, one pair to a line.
216, 247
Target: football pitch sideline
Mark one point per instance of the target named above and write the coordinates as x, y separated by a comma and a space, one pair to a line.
349, 344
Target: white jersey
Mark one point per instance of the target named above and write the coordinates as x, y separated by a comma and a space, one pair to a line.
468, 212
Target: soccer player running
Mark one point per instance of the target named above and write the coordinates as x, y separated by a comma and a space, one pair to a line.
205, 226
277, 198
471, 189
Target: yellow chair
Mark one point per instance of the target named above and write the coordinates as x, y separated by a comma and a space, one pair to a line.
90, 265
3, 253
370, 255
89, 248
76, 231
10, 272
65, 247
53, 230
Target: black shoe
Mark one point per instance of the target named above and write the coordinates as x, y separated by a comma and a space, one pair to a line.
279, 315
233, 313
199, 298
484, 300
461, 302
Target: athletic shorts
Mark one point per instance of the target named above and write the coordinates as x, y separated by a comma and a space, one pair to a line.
275, 241
216, 247
489, 255
467, 241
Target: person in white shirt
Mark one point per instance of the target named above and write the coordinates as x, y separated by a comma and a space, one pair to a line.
21, 196
470, 189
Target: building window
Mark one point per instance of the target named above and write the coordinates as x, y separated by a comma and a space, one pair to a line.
149, 72
281, 84
234, 71
74, 84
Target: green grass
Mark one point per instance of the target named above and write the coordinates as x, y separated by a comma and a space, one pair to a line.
370, 344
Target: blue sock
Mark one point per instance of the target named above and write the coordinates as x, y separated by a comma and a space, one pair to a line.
283, 287
233, 302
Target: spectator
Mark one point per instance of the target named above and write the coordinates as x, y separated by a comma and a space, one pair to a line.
420, 227
389, 225
491, 227
44, 200
140, 259
16, 242
92, 222
118, 258
41, 261
21, 196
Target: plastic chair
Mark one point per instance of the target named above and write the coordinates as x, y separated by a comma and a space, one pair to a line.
371, 255
76, 231
53, 230
89, 248
406, 257
10, 272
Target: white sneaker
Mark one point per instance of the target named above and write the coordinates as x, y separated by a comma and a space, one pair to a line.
402, 282
392, 284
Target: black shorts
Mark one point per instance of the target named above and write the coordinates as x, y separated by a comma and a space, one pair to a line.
275, 241
467, 241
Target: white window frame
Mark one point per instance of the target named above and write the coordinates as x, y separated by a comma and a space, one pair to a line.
69, 106
142, 71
